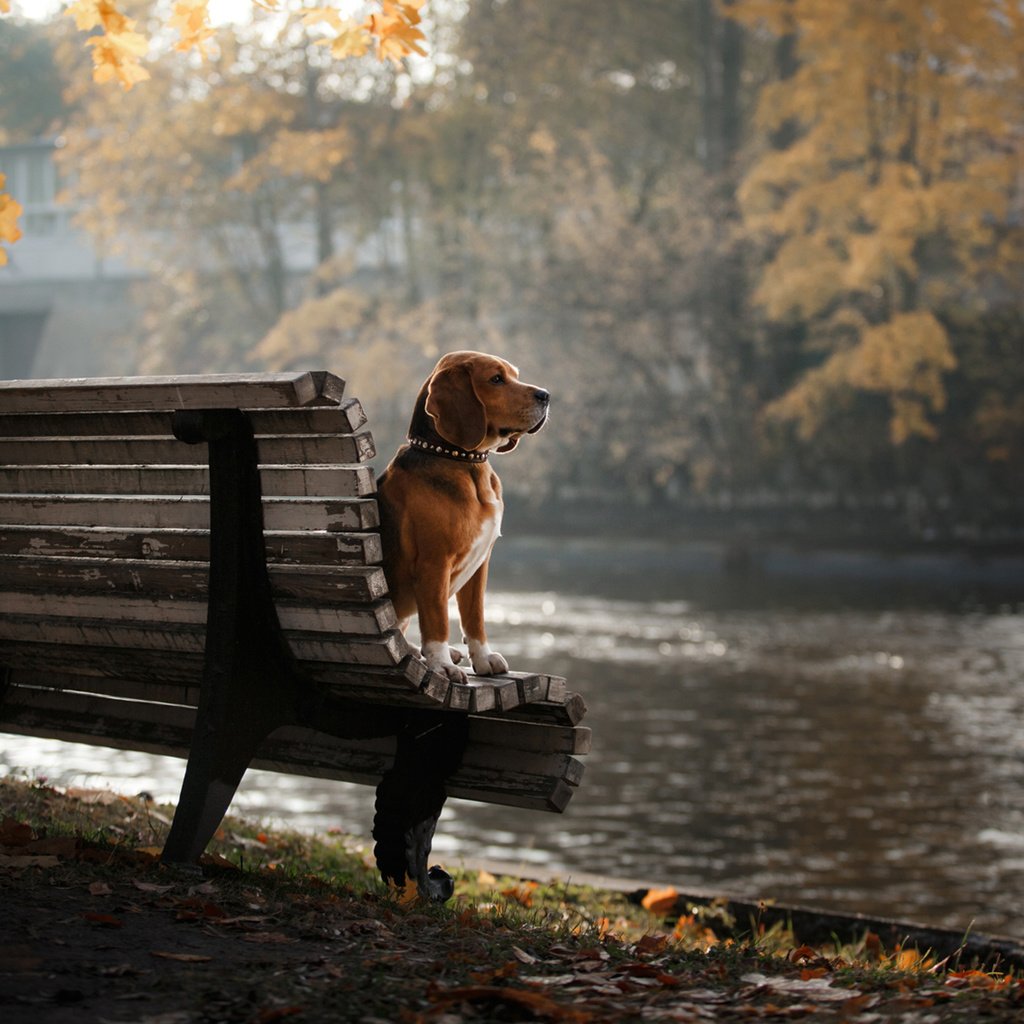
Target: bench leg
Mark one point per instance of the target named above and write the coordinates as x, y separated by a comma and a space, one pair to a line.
249, 687
410, 798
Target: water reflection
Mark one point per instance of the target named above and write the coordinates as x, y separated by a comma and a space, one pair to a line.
842, 741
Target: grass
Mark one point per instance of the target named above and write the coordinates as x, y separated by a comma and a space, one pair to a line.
286, 925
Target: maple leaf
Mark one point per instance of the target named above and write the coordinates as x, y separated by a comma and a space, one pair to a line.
117, 56
116, 53
348, 39
396, 31
191, 19
105, 14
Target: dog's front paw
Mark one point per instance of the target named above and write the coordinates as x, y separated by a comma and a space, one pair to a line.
485, 661
438, 656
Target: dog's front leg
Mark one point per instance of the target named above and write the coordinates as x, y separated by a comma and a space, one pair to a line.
431, 587
471, 612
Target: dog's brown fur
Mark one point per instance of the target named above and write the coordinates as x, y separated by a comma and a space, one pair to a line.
440, 516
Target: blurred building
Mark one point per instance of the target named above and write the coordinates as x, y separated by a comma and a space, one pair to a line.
64, 303
58, 294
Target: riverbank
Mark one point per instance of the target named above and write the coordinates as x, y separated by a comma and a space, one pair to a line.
281, 926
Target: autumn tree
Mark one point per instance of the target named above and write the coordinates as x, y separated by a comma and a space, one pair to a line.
886, 198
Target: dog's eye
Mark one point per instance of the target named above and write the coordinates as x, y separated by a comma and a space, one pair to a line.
497, 379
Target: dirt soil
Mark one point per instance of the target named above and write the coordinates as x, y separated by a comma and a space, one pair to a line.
95, 929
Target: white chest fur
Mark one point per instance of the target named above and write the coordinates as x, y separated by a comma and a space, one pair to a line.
490, 531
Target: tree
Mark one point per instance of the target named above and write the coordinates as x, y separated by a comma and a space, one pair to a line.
118, 50
884, 196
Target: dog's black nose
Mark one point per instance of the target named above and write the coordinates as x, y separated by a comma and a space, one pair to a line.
542, 396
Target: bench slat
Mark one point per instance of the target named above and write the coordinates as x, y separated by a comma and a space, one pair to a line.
540, 782
189, 639
345, 418
181, 580
289, 450
184, 545
252, 390
311, 481
182, 693
369, 620
188, 513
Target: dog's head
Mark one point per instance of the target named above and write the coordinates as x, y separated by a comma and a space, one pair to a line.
478, 402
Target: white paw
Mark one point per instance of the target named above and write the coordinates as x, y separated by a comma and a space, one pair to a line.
438, 656
485, 661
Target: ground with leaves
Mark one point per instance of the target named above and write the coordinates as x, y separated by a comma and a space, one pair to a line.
282, 926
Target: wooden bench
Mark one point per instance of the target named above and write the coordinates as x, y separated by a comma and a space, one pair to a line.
190, 566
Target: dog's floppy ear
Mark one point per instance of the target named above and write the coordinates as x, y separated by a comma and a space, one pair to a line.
458, 415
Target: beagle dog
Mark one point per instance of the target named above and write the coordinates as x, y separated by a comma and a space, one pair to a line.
440, 501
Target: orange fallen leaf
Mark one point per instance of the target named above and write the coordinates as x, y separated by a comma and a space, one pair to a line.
660, 901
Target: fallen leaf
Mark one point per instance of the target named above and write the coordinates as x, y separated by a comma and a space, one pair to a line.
538, 1004
486, 878
100, 889
660, 901
151, 886
522, 956
652, 944
815, 988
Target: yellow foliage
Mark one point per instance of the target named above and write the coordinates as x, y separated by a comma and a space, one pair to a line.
395, 31
310, 155
903, 359
191, 20
10, 211
893, 193
118, 49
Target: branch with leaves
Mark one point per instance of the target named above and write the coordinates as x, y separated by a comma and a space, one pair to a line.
118, 48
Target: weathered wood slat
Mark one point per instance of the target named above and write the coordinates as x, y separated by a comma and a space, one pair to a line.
105, 663
183, 638
516, 735
389, 649
184, 545
541, 783
368, 620
308, 481
569, 711
221, 391
343, 584
345, 418
142, 689
290, 449
182, 513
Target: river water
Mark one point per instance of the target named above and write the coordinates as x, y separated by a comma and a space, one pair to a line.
836, 731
